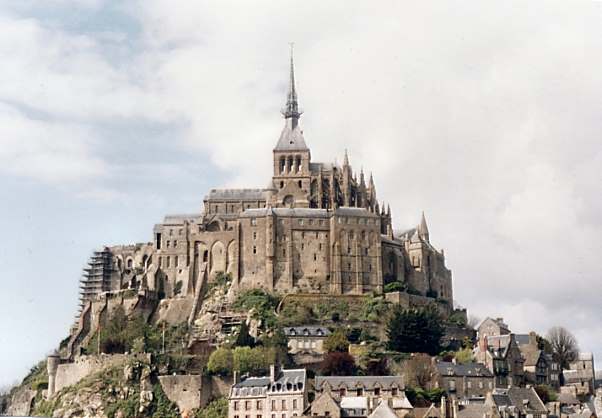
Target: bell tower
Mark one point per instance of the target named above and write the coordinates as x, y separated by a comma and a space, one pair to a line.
292, 176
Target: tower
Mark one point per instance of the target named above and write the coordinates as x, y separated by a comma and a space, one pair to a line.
291, 155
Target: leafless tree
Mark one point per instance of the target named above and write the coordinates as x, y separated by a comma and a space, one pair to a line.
419, 371
564, 346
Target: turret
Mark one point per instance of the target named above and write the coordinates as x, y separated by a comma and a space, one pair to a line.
423, 229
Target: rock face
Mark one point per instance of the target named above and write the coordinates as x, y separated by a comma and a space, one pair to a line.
20, 403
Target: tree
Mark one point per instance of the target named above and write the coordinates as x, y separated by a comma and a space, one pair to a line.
419, 370
220, 362
415, 330
338, 364
564, 346
244, 339
337, 341
251, 360
217, 408
464, 356
546, 393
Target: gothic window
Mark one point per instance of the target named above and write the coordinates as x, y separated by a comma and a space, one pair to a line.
254, 235
254, 249
320, 246
130, 262
205, 256
167, 243
281, 184
282, 164
175, 243
289, 164
176, 263
315, 257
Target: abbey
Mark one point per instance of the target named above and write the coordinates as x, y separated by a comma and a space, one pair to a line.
318, 228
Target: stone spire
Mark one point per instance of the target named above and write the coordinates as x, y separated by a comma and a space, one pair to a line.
423, 229
346, 160
291, 109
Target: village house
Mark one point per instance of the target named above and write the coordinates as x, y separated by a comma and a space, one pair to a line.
461, 381
539, 367
282, 394
357, 395
517, 402
306, 339
501, 355
581, 375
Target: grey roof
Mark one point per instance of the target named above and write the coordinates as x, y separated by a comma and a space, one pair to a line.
524, 400
522, 339
362, 381
236, 194
179, 219
567, 398
310, 331
474, 411
317, 167
288, 379
446, 368
531, 356
383, 411
351, 211
291, 139
294, 212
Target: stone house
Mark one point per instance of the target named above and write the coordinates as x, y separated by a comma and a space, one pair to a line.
581, 375
282, 394
491, 326
462, 381
355, 393
517, 402
540, 367
503, 358
306, 339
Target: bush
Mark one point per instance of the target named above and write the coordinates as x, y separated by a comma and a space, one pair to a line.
415, 330
217, 408
464, 356
264, 305
336, 342
394, 287
221, 362
375, 309
546, 393
422, 398
338, 364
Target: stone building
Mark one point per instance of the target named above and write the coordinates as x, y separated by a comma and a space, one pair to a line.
517, 402
306, 339
581, 375
282, 394
317, 228
462, 381
540, 367
501, 355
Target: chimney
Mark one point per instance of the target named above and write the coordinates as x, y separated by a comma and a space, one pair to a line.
236, 378
533, 339
272, 373
443, 407
454, 408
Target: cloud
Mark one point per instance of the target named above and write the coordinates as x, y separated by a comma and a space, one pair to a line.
486, 117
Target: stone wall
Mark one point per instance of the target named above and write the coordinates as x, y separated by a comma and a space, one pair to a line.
187, 391
70, 373
173, 311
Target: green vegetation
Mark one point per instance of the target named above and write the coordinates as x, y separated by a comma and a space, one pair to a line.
243, 338
464, 356
546, 393
121, 334
220, 362
415, 330
457, 318
222, 280
37, 376
217, 408
338, 364
395, 287
375, 309
422, 398
263, 305
161, 406
336, 342
255, 361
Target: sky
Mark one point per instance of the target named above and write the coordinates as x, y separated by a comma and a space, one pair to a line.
486, 115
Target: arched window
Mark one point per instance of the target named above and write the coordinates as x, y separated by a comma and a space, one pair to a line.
298, 164
130, 263
282, 164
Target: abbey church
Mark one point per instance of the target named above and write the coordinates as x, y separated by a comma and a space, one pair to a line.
317, 229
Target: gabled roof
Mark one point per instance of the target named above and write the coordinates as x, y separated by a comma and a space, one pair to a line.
236, 194
530, 355
446, 368
309, 331
525, 400
350, 382
383, 411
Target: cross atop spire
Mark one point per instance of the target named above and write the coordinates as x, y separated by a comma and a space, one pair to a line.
291, 109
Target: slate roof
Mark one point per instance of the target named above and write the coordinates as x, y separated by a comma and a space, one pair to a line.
351, 211
294, 212
288, 379
350, 382
354, 402
474, 411
309, 331
522, 339
430, 411
179, 219
291, 139
236, 194
525, 400
383, 411
446, 368
530, 356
